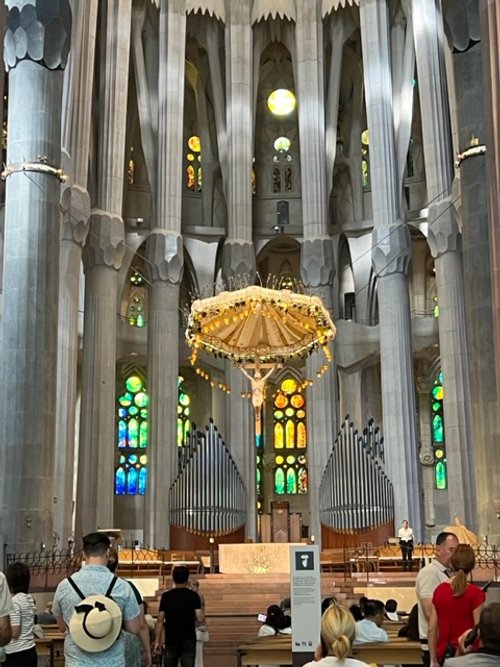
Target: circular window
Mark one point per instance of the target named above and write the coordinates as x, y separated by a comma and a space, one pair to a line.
281, 102
194, 143
282, 144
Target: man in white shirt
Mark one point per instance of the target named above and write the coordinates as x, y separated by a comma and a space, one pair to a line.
5, 609
428, 579
369, 629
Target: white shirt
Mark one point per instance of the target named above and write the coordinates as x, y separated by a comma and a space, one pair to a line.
23, 615
368, 631
405, 534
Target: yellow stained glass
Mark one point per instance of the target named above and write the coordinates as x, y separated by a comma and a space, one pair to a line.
279, 460
301, 435
365, 137
290, 434
297, 401
301, 414
289, 386
290, 459
281, 102
289, 412
278, 436
194, 143
190, 177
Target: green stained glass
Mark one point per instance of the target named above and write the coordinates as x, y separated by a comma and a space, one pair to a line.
133, 410
141, 399
436, 407
441, 481
437, 428
290, 459
438, 393
278, 414
134, 384
126, 399
180, 432
144, 413
143, 435
184, 399
291, 481
279, 481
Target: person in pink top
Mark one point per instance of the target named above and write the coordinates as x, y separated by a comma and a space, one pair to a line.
456, 606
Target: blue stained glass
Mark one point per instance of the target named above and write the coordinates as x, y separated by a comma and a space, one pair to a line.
120, 481
122, 412
143, 477
441, 475
132, 459
133, 410
122, 433
132, 481
438, 429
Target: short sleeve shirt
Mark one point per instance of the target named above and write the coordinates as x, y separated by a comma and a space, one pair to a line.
5, 599
428, 579
179, 606
92, 580
368, 631
455, 613
22, 615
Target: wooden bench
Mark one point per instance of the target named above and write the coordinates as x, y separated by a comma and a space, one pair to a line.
278, 651
333, 560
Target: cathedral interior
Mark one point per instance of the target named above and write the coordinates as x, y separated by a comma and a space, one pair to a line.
161, 151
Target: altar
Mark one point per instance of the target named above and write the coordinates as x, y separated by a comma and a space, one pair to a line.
260, 558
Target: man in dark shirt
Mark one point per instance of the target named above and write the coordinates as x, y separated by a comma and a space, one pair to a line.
180, 608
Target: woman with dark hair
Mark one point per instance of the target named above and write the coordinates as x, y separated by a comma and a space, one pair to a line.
21, 651
456, 607
276, 623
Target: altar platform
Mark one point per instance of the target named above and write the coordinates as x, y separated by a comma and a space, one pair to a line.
259, 558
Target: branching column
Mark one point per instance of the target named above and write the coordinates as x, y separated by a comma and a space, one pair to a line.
31, 270
165, 264
317, 260
446, 247
102, 258
238, 257
75, 205
390, 259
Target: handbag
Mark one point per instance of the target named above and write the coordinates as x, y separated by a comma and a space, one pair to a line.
202, 634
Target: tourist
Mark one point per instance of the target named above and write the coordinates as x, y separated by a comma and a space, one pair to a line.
338, 630
369, 629
21, 651
428, 579
456, 607
488, 653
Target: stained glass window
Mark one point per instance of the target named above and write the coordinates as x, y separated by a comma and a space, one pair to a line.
137, 303
132, 437
194, 173
183, 412
438, 434
290, 439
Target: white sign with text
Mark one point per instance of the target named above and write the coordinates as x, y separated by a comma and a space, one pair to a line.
305, 598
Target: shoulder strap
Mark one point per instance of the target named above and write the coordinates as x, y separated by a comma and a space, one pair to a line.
79, 592
110, 587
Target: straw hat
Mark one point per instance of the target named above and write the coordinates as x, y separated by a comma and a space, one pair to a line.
95, 623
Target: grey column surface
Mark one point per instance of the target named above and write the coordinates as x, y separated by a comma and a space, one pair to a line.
464, 33
75, 205
490, 22
238, 253
102, 257
165, 267
317, 258
445, 242
35, 60
390, 258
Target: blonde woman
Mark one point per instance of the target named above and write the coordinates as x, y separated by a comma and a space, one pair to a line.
456, 607
338, 631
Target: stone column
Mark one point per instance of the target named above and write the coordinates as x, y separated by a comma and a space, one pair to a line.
390, 258
490, 30
76, 211
102, 258
35, 61
463, 31
445, 242
165, 262
238, 254
317, 259
426, 456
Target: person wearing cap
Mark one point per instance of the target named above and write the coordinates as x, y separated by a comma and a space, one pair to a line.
5, 609
93, 625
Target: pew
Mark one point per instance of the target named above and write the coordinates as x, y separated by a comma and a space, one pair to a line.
278, 651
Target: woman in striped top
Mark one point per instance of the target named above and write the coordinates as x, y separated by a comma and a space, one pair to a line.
21, 651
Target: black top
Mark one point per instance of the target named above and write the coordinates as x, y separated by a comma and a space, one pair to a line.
179, 605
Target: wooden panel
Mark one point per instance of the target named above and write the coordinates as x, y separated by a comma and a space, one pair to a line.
265, 528
279, 519
181, 540
295, 527
379, 535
